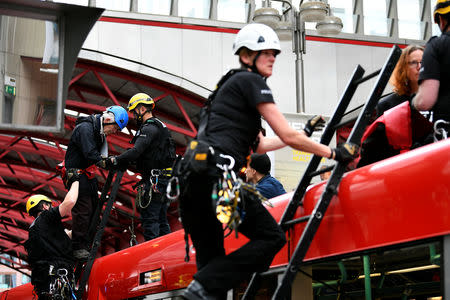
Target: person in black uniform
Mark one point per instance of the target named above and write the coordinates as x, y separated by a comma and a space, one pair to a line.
230, 129
434, 77
87, 148
49, 247
404, 78
153, 153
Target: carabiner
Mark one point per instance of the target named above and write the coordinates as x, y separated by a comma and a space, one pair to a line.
224, 166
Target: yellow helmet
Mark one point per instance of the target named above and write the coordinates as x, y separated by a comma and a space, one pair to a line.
35, 200
140, 98
442, 7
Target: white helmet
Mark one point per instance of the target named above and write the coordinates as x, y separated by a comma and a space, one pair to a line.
256, 37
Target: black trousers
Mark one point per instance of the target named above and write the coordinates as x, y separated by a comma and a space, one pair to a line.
154, 217
83, 213
216, 271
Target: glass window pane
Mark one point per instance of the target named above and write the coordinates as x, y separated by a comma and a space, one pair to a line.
123, 5
194, 8
274, 4
375, 21
408, 29
75, 2
434, 28
29, 60
25, 279
232, 10
408, 10
408, 19
344, 10
157, 7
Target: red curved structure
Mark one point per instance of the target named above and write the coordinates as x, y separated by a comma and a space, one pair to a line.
28, 159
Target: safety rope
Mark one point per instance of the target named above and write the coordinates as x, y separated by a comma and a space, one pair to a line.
133, 240
140, 197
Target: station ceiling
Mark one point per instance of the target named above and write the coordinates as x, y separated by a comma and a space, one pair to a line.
28, 160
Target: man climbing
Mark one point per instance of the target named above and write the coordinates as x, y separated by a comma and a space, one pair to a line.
87, 148
49, 247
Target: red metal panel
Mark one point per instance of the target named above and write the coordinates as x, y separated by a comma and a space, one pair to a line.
402, 199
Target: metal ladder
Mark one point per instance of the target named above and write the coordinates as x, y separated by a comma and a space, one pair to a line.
282, 291
85, 271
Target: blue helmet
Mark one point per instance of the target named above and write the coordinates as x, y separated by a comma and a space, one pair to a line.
120, 115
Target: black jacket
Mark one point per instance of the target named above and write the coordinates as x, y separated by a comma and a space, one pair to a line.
153, 148
85, 143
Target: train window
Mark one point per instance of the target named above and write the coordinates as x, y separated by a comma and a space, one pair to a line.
414, 268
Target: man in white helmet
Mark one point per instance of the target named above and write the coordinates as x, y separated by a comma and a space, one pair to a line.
232, 128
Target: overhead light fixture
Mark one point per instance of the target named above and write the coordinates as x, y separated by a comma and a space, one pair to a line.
313, 11
268, 16
284, 30
330, 25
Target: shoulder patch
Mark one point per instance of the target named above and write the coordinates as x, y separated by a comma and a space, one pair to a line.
266, 92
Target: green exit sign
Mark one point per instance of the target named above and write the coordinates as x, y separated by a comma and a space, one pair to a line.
10, 90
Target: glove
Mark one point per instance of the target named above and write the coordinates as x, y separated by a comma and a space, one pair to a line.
106, 163
345, 152
72, 175
316, 123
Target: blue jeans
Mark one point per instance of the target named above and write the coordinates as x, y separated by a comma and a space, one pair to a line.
154, 218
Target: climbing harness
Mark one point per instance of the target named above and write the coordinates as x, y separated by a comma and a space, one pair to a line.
155, 174
61, 287
440, 130
228, 196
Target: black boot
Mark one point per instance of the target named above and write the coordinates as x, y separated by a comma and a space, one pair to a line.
195, 291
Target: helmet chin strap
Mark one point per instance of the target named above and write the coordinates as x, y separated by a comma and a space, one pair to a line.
139, 117
253, 66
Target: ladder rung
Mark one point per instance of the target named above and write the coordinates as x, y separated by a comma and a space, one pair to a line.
370, 76
318, 172
290, 223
